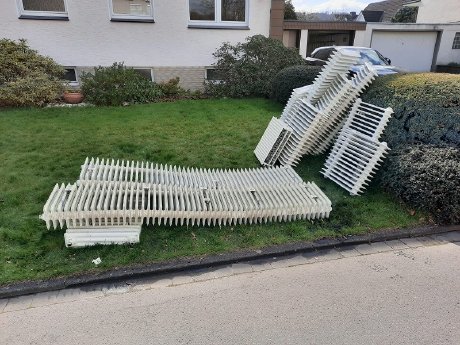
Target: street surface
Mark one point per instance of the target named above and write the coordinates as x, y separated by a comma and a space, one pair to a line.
399, 292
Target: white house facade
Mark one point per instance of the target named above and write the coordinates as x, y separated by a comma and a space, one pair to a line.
413, 47
436, 11
167, 37
424, 46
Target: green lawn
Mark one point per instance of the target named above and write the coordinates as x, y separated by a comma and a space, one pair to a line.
42, 147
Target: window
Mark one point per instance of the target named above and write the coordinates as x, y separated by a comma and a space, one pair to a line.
42, 9
323, 54
456, 44
218, 13
145, 72
70, 75
213, 75
132, 10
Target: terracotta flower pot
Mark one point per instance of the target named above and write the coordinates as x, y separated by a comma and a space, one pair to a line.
73, 97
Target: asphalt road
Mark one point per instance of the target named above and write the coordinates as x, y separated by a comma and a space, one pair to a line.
399, 296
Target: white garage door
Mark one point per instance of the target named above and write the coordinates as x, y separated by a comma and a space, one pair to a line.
412, 51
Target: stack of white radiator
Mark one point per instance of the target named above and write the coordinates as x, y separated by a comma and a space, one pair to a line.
272, 142
111, 200
358, 152
315, 113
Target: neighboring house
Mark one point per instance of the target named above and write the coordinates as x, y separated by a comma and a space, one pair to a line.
381, 11
162, 38
433, 41
436, 11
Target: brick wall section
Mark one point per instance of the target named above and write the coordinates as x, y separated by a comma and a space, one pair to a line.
277, 19
190, 77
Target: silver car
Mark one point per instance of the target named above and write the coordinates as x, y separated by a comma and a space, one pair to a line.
382, 64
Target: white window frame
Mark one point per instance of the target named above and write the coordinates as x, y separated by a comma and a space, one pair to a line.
132, 17
218, 22
36, 14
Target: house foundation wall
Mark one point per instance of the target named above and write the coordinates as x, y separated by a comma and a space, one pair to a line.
190, 78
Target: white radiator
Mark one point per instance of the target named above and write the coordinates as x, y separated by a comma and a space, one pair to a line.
272, 142
112, 199
357, 152
315, 113
97, 204
368, 119
354, 160
338, 65
96, 169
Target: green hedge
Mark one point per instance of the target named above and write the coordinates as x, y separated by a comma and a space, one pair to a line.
427, 178
291, 78
424, 167
116, 85
426, 105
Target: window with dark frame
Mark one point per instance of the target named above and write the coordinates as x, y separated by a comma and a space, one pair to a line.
456, 44
145, 72
213, 74
70, 74
42, 8
44, 5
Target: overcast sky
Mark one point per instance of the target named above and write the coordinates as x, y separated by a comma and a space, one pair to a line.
330, 5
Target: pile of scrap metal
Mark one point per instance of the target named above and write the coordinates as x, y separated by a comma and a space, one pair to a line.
111, 200
318, 115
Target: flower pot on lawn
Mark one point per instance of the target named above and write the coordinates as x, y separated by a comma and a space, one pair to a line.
73, 97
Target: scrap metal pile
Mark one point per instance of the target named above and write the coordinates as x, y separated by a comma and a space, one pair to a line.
112, 199
317, 115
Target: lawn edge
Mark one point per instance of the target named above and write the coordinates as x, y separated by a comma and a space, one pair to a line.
185, 264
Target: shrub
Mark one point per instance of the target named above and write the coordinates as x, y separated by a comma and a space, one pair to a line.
248, 68
26, 77
426, 177
116, 85
290, 78
171, 87
426, 106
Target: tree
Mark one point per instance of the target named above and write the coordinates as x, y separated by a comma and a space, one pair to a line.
289, 10
248, 68
405, 15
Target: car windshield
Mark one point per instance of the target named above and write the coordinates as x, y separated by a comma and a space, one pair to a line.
370, 56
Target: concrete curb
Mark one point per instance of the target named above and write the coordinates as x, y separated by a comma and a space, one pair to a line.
116, 275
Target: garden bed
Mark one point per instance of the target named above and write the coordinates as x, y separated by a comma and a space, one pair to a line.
42, 147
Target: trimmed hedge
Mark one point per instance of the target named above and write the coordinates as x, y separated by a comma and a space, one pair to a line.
427, 178
426, 106
424, 167
291, 78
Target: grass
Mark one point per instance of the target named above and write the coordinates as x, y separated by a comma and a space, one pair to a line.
42, 147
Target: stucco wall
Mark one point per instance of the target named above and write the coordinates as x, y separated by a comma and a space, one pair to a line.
89, 38
445, 53
436, 11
